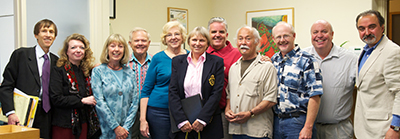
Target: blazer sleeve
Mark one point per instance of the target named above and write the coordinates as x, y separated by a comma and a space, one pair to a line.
391, 75
58, 87
215, 91
10, 76
174, 91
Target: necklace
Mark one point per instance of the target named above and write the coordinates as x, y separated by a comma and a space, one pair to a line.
113, 67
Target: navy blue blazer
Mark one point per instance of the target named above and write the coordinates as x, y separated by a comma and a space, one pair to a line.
211, 90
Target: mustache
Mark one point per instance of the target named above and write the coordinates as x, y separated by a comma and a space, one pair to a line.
244, 47
369, 35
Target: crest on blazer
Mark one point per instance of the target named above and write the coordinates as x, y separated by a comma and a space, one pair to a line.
211, 80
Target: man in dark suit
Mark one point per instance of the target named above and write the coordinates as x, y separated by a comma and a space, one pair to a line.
24, 71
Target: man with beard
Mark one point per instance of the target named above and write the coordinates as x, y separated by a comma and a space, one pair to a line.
251, 90
338, 67
299, 87
378, 81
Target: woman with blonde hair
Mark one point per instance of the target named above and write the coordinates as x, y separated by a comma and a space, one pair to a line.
154, 115
113, 86
74, 115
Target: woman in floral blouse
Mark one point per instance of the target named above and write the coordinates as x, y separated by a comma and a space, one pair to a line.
113, 85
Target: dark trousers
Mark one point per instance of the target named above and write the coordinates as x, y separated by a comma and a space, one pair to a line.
43, 122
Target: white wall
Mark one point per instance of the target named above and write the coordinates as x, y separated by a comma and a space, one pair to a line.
7, 35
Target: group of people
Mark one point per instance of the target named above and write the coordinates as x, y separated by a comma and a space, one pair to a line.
244, 95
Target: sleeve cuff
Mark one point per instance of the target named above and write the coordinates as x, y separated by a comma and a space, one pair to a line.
396, 120
182, 124
202, 122
10, 112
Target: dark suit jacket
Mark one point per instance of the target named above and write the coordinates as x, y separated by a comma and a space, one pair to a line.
21, 72
211, 90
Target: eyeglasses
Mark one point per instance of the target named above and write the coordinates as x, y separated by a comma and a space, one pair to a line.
285, 37
172, 35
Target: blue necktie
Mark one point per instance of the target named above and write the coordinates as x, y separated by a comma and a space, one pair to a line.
45, 84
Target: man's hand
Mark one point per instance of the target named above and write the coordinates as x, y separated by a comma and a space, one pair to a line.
121, 133
305, 133
187, 127
144, 128
197, 126
265, 58
241, 117
391, 134
13, 119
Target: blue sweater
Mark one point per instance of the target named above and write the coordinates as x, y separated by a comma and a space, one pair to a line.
157, 81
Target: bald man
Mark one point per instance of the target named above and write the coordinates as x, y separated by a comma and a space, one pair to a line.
338, 67
299, 87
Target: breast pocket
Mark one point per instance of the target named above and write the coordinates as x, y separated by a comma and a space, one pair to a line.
253, 88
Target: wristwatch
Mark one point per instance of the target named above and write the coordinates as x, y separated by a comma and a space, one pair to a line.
395, 128
252, 114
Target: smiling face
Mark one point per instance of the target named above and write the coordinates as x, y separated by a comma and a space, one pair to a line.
140, 43
115, 52
75, 52
198, 45
246, 43
46, 37
284, 38
218, 35
369, 29
174, 38
321, 35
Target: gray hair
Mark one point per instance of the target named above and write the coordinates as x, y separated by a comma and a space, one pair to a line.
219, 20
253, 30
136, 29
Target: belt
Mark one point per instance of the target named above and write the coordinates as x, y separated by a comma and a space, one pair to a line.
320, 123
290, 115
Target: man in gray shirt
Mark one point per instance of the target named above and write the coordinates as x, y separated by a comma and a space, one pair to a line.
338, 67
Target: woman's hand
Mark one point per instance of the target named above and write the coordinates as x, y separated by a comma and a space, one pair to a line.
197, 126
144, 129
89, 100
121, 133
187, 127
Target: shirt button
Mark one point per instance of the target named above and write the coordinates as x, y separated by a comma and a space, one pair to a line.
237, 106
120, 93
238, 95
240, 83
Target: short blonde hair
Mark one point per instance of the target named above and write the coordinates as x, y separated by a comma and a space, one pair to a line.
170, 25
200, 31
118, 39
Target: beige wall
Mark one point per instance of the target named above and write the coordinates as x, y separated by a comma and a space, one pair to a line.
152, 15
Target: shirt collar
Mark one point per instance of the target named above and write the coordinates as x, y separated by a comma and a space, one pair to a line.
134, 59
39, 51
202, 57
291, 53
333, 53
224, 50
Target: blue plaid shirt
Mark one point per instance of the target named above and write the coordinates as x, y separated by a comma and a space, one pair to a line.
299, 79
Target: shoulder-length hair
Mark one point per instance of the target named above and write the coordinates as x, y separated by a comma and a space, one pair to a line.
118, 39
86, 63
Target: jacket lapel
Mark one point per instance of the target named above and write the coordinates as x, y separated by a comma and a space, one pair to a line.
206, 68
32, 63
371, 60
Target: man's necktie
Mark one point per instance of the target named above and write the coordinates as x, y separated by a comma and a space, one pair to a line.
45, 84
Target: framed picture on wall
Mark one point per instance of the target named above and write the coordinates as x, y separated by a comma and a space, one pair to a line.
178, 14
264, 21
112, 9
